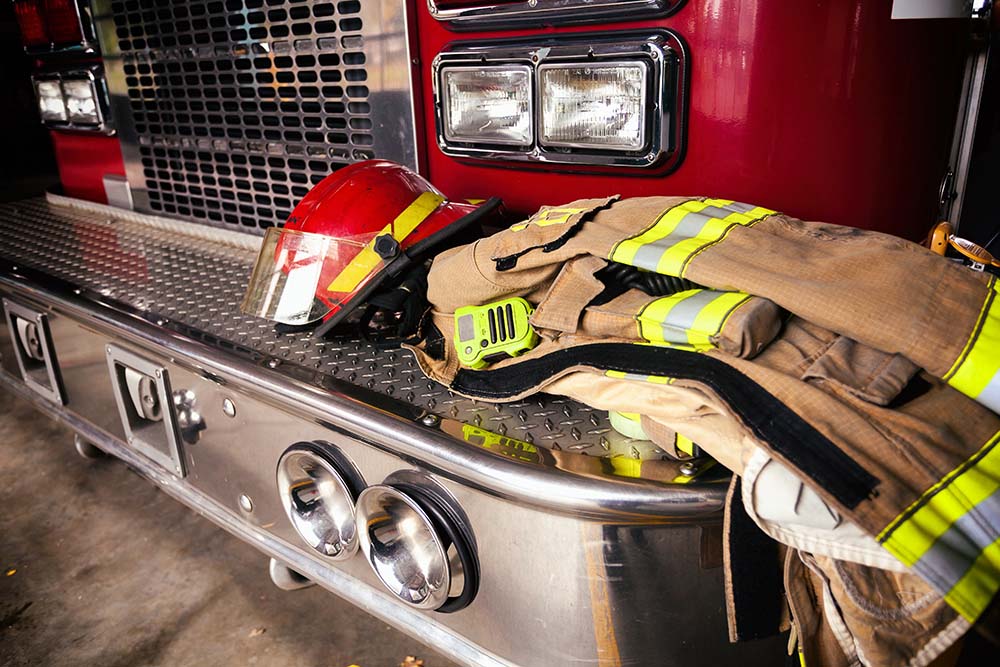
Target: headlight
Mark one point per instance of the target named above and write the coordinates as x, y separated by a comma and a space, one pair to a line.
318, 488
594, 106
74, 99
487, 105
50, 101
577, 99
81, 101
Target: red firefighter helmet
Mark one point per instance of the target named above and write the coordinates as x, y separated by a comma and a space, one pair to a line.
358, 228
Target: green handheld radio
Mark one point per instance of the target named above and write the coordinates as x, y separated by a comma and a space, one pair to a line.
496, 331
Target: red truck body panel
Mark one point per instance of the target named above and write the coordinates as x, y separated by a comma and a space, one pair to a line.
83, 160
825, 110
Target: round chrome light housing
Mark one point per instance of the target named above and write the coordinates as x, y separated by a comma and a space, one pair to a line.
318, 488
418, 546
402, 547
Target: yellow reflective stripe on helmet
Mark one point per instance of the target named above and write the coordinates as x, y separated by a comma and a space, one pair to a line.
949, 536
367, 260
689, 318
682, 232
976, 373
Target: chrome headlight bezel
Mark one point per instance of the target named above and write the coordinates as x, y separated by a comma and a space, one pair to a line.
661, 52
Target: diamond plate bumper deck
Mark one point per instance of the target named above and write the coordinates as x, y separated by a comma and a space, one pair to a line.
174, 272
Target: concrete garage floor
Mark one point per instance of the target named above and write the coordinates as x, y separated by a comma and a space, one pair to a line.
98, 567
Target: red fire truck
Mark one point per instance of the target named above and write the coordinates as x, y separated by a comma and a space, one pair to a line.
526, 533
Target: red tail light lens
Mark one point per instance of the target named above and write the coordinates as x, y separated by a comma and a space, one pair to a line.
31, 22
63, 21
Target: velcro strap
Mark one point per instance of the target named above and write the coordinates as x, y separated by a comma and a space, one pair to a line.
752, 573
769, 420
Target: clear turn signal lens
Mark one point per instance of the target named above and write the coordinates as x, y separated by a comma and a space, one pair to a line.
487, 105
602, 106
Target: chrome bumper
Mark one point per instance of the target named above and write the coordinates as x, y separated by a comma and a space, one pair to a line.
578, 564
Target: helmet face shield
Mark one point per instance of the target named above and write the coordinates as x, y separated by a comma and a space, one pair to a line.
301, 277
357, 229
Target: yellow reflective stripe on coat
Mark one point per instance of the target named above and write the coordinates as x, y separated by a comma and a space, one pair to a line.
684, 445
689, 318
976, 373
654, 379
951, 535
367, 260
680, 233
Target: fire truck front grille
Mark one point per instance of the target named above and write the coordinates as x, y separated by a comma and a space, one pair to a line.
230, 111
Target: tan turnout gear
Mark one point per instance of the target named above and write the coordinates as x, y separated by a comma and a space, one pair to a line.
864, 364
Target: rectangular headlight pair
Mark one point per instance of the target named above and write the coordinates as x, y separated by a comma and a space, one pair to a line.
594, 106
72, 99
584, 100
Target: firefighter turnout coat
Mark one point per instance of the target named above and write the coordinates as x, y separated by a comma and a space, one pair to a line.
852, 378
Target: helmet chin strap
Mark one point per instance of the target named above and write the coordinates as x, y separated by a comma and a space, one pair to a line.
402, 307
403, 301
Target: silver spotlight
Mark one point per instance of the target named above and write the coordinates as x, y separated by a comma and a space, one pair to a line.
418, 545
318, 487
